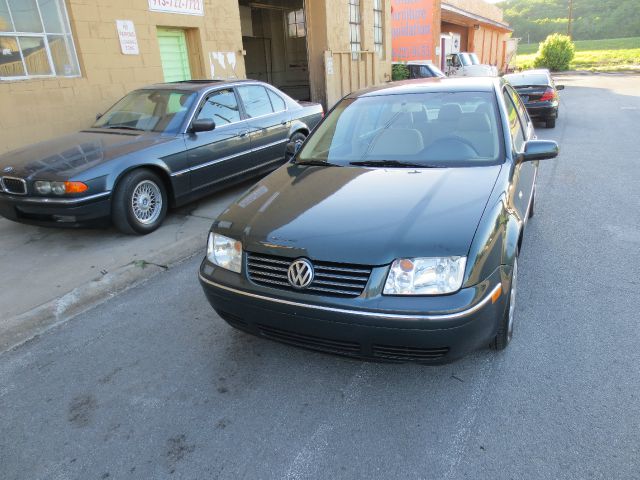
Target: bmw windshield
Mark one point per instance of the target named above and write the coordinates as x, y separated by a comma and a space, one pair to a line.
160, 111
409, 130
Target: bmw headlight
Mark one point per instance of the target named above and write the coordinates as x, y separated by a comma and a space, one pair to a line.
224, 252
425, 276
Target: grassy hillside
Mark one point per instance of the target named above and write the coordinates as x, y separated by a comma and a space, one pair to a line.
595, 55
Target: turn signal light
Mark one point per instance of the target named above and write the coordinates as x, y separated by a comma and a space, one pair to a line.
75, 187
496, 294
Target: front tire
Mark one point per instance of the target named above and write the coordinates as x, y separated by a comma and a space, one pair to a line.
139, 203
505, 331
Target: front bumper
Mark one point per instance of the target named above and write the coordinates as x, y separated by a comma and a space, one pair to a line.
70, 212
383, 328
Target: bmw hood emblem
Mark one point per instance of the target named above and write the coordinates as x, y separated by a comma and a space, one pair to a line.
7, 169
300, 273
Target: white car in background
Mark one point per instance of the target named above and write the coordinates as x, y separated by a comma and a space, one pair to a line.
467, 64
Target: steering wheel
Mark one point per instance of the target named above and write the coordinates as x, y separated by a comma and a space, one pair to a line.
453, 139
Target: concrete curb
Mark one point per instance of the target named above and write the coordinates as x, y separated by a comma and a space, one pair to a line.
22, 328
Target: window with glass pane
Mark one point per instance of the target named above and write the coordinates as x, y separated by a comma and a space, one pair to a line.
354, 29
256, 101
295, 24
221, 107
378, 31
35, 40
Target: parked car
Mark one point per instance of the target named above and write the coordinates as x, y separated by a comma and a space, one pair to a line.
467, 64
539, 93
160, 146
423, 69
394, 232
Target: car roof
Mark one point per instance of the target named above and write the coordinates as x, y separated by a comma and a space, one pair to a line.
424, 85
197, 85
537, 71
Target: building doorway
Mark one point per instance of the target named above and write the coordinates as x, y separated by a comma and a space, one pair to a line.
174, 54
274, 36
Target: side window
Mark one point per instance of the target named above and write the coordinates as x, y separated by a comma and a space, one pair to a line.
276, 101
522, 111
222, 107
515, 126
255, 99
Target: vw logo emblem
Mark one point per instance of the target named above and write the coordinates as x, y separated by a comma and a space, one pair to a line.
7, 169
300, 273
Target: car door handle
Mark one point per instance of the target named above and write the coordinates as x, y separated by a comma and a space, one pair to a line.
244, 133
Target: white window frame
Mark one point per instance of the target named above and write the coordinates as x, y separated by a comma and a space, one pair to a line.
43, 35
378, 46
355, 22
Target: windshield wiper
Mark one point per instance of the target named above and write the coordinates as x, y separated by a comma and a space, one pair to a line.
391, 163
122, 127
318, 163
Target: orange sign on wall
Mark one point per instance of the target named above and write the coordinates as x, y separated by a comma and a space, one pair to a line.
411, 35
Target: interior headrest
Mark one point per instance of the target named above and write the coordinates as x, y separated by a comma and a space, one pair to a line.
475, 122
450, 112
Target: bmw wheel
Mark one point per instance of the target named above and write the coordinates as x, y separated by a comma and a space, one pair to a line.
139, 203
297, 139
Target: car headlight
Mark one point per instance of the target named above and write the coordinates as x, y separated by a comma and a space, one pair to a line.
425, 276
59, 188
224, 252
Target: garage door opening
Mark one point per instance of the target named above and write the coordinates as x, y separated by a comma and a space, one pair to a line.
274, 35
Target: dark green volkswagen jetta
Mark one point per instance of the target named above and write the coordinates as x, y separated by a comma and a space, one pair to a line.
393, 233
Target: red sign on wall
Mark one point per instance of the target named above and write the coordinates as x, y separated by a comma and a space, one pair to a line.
411, 25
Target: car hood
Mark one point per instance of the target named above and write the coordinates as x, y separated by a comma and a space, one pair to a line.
361, 215
69, 155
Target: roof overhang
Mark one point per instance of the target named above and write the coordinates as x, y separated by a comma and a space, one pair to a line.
452, 14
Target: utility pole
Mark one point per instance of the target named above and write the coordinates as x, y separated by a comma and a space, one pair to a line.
570, 18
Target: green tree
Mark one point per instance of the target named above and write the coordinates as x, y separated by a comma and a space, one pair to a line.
555, 53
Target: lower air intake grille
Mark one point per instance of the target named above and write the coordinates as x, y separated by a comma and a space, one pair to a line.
409, 353
336, 279
310, 341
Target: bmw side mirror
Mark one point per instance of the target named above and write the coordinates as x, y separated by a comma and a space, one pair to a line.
98, 116
559, 87
202, 125
539, 150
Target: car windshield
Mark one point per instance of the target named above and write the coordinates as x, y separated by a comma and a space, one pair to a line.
521, 80
438, 129
465, 58
149, 111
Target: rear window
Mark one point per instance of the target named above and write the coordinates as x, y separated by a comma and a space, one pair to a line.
520, 80
431, 129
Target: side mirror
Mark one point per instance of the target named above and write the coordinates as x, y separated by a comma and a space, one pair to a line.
540, 150
291, 149
98, 116
559, 87
202, 125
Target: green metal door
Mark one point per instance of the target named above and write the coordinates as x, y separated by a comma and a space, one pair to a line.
174, 54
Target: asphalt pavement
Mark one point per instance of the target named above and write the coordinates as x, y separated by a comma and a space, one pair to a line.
152, 384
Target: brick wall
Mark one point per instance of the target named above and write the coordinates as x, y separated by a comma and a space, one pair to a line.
34, 110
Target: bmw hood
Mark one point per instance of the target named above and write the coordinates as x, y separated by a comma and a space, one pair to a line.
66, 156
367, 216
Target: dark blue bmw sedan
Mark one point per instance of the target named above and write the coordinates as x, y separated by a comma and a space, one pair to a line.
394, 233
160, 146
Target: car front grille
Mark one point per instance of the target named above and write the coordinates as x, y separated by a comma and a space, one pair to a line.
340, 347
13, 185
335, 279
413, 354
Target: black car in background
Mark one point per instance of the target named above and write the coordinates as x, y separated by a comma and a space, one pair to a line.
394, 233
539, 94
160, 146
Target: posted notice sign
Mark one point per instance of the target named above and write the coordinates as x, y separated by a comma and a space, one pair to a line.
127, 35
187, 7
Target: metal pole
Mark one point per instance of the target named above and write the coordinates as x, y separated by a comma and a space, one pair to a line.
570, 18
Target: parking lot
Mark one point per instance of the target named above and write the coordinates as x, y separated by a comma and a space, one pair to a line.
153, 384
